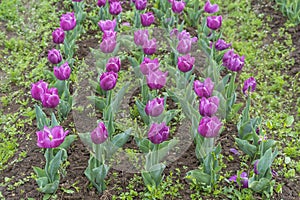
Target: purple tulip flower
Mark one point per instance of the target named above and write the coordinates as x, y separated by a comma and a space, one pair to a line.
58, 36
38, 89
158, 133
204, 89
208, 106
244, 179
115, 8
51, 137
140, 37
108, 45
68, 21
100, 134
111, 1
214, 22
185, 63
155, 107
140, 4
211, 8
209, 127
149, 46
109, 34
63, 72
108, 80
178, 6
54, 56
107, 25
184, 46
147, 19
249, 85
77, 0
156, 79
255, 167
233, 61
148, 65
113, 64
50, 98
101, 3
222, 45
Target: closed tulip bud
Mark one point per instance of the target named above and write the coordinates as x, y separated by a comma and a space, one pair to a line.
108, 80
51, 137
140, 4
249, 85
158, 133
204, 89
101, 3
209, 127
107, 25
155, 107
113, 64
178, 6
63, 72
148, 65
255, 167
68, 21
108, 45
185, 63
109, 34
140, 37
115, 8
184, 46
54, 56
222, 45
58, 36
50, 98
38, 89
156, 79
147, 19
211, 8
214, 22
233, 61
149, 47
208, 106
100, 134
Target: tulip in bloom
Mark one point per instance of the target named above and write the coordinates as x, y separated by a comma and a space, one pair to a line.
63, 72
140, 37
38, 89
101, 3
156, 79
108, 80
178, 6
51, 137
109, 34
158, 133
50, 98
68, 21
107, 25
108, 45
214, 22
147, 19
222, 45
111, 1
204, 89
208, 106
233, 61
149, 47
115, 8
185, 63
184, 46
244, 179
211, 8
148, 65
155, 107
209, 127
100, 134
113, 64
140, 4
249, 85
54, 56
58, 36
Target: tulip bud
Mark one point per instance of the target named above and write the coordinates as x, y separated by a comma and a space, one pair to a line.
249, 83
63, 72
140, 4
58, 36
54, 56
108, 45
68, 21
156, 79
100, 134
147, 19
115, 8
50, 98
113, 64
148, 65
204, 89
38, 89
211, 8
155, 107
178, 6
140, 37
185, 63
209, 127
107, 25
149, 47
108, 80
214, 22
101, 3
208, 107
222, 45
158, 133
51, 137
255, 167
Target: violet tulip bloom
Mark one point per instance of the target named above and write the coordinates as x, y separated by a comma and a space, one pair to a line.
63, 72
58, 36
185, 63
208, 106
107, 25
156, 79
211, 8
100, 134
214, 22
149, 46
233, 61
50, 98
109, 34
249, 85
148, 65
113, 64
38, 89
178, 6
101, 3
221, 45
115, 8
184, 46
108, 45
111, 1
155, 107
140, 4
244, 179
204, 89
147, 19
108, 80
68, 21
51, 137
77, 0
158, 133
255, 167
209, 127
54, 56
140, 37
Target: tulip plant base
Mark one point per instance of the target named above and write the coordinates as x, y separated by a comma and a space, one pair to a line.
17, 180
